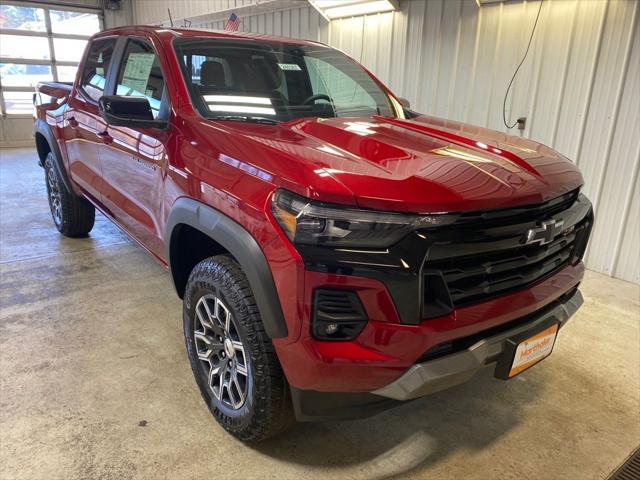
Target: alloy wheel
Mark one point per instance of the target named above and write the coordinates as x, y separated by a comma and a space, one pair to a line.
55, 200
221, 352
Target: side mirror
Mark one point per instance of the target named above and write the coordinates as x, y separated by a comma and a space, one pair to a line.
132, 112
404, 102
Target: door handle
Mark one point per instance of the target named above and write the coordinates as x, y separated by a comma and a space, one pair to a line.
105, 137
73, 123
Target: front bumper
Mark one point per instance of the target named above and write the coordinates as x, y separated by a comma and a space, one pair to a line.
386, 349
435, 375
431, 376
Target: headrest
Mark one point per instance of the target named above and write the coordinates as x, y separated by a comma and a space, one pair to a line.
212, 73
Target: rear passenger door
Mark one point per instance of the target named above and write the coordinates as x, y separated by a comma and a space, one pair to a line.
134, 161
82, 123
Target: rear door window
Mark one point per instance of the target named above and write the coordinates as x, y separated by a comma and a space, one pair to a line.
94, 74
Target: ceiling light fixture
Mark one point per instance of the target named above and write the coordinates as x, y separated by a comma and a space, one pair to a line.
333, 9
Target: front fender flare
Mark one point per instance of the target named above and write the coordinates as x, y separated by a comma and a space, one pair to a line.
244, 248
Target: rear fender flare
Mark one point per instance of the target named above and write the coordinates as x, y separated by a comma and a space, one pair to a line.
41, 127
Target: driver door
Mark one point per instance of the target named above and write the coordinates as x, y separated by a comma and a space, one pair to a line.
134, 160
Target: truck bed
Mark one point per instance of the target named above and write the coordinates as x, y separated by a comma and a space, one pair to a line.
55, 85
50, 96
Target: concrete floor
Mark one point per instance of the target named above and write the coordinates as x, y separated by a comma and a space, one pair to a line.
95, 382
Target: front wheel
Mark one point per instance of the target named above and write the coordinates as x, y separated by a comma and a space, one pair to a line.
232, 358
73, 216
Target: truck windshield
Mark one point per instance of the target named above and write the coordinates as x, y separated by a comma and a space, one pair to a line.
272, 82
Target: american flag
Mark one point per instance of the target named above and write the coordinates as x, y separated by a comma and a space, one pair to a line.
233, 23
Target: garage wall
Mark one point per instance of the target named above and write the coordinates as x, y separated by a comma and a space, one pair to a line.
155, 11
112, 18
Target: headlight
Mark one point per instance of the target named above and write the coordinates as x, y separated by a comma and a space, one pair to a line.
312, 223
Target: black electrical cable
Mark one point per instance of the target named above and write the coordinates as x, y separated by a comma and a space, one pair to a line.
504, 103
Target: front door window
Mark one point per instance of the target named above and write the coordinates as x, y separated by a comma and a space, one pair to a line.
140, 74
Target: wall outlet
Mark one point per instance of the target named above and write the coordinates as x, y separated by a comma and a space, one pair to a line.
522, 122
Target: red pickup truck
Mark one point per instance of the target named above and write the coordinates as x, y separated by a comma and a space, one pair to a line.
336, 252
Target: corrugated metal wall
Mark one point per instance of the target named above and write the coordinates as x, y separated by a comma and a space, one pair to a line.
155, 11
579, 89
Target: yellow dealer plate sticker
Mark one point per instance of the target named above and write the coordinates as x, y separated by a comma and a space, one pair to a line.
533, 349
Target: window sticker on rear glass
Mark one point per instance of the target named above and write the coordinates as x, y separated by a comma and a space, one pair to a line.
290, 67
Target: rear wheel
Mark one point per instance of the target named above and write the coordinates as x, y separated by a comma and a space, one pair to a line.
73, 216
232, 358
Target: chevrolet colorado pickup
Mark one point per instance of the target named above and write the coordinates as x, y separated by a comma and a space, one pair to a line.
336, 252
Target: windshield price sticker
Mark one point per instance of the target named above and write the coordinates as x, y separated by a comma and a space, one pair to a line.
292, 67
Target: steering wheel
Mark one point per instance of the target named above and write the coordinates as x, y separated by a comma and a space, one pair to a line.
318, 96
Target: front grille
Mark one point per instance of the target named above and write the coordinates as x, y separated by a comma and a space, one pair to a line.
476, 277
482, 266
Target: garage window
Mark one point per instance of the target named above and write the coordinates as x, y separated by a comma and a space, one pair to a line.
38, 43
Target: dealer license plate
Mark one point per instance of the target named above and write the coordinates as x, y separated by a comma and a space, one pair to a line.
533, 349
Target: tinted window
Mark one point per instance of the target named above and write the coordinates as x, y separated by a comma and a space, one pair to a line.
140, 74
94, 75
277, 81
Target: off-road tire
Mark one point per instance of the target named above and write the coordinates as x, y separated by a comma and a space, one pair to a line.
267, 408
72, 215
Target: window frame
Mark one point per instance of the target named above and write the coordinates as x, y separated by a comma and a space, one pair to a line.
48, 33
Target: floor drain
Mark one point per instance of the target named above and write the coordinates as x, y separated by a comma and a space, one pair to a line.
630, 470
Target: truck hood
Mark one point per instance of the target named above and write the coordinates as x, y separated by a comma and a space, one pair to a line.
423, 165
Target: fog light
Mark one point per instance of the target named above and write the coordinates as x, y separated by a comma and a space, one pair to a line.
337, 315
331, 328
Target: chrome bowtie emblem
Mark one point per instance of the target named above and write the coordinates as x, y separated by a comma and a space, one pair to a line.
545, 233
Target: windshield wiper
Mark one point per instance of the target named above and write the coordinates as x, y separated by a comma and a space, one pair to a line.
246, 118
